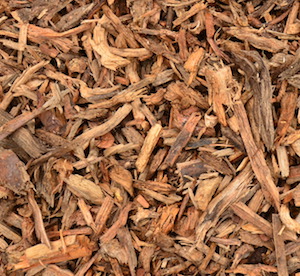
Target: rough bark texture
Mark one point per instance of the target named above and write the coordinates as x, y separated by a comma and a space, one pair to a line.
149, 137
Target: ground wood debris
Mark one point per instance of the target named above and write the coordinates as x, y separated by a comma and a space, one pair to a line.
150, 137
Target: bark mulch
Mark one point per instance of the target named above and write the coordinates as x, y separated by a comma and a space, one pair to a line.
149, 137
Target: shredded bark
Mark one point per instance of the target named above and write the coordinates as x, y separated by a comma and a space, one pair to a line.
149, 137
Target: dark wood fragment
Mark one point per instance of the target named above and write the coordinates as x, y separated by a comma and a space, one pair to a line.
13, 173
181, 141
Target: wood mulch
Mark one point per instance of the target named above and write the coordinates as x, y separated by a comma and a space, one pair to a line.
149, 137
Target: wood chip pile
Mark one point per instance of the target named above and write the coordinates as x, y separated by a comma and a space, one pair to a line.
149, 137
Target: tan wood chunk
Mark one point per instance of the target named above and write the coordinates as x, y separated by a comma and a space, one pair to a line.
148, 147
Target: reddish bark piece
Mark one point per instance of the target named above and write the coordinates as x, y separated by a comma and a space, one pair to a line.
288, 106
105, 141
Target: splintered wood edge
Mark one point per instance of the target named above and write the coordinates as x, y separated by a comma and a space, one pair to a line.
257, 160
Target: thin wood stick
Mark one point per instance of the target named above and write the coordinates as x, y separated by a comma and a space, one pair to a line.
279, 246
